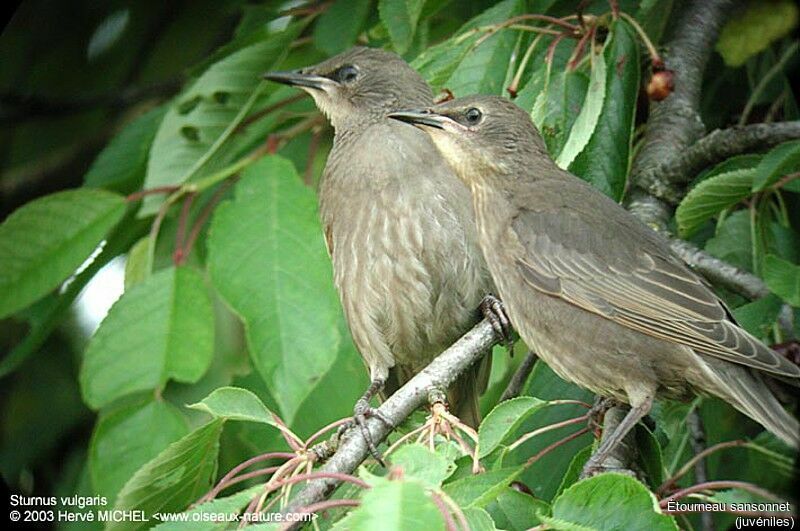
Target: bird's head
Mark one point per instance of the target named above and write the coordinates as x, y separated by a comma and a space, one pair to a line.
359, 84
480, 136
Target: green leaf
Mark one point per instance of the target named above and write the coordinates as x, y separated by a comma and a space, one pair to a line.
544, 477
757, 317
235, 403
419, 463
338, 27
483, 70
586, 122
480, 489
517, 511
752, 31
782, 278
732, 241
137, 262
229, 505
394, 506
573, 473
504, 420
611, 501
649, 456
128, 437
122, 164
160, 329
605, 160
400, 18
478, 519
779, 161
268, 260
194, 138
466, 67
712, 196
178, 476
45, 241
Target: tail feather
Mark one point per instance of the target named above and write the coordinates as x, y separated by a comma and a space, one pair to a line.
745, 389
464, 393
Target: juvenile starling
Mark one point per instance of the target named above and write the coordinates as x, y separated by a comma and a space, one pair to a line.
599, 296
399, 227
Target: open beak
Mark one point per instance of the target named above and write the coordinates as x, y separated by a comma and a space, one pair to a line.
416, 117
298, 79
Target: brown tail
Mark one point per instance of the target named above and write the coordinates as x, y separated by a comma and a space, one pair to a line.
744, 389
464, 393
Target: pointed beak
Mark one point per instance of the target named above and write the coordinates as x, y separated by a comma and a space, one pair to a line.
423, 117
298, 79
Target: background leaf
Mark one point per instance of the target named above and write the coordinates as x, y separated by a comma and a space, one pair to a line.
605, 160
272, 221
400, 18
783, 279
128, 437
178, 476
163, 328
193, 139
339, 26
711, 197
45, 241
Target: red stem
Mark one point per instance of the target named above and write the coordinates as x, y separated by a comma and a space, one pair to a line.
449, 523
669, 482
238, 468
555, 445
179, 255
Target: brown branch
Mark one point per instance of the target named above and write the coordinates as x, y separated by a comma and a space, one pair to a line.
440, 373
674, 124
715, 147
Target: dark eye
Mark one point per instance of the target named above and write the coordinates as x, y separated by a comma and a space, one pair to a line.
346, 74
473, 115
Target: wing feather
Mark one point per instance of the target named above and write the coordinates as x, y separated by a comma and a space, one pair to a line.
635, 281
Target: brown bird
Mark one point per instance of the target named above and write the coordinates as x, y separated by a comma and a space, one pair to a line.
599, 296
399, 227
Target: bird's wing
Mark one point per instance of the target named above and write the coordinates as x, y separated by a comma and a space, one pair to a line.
604, 263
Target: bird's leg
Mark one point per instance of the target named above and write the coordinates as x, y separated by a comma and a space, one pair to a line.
598, 411
363, 410
595, 463
493, 310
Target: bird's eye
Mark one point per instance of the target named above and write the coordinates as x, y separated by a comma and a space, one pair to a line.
473, 115
346, 74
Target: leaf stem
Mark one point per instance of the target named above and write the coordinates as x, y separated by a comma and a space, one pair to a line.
790, 52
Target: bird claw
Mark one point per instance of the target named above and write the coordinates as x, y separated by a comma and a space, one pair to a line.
361, 412
494, 311
597, 413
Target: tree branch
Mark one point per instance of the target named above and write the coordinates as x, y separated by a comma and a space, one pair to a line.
709, 150
674, 124
673, 127
718, 271
440, 373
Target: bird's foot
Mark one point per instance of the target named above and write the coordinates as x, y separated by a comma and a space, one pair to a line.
597, 413
361, 412
494, 311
